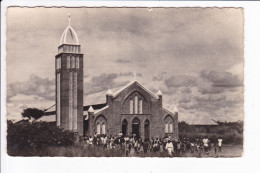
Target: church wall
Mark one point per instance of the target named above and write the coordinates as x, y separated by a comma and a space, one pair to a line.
119, 109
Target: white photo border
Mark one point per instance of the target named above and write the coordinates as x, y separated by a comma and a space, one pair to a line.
111, 165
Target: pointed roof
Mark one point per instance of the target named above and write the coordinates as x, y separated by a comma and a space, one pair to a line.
109, 92
175, 109
69, 36
140, 85
90, 109
100, 97
159, 93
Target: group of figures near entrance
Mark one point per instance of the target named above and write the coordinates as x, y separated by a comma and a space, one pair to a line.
168, 145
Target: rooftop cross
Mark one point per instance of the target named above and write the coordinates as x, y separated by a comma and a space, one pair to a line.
69, 17
135, 76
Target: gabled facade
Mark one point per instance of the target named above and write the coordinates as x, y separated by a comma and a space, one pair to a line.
132, 110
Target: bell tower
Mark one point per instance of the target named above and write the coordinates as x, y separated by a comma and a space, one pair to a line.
69, 82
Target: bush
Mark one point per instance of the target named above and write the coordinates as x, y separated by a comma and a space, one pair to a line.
37, 135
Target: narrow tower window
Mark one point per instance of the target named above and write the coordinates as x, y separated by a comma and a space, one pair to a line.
70, 100
75, 107
73, 62
58, 63
77, 62
58, 99
68, 62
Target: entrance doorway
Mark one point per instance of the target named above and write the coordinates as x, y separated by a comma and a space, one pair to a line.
146, 129
124, 127
136, 127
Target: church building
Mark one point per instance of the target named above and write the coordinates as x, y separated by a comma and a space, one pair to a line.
132, 109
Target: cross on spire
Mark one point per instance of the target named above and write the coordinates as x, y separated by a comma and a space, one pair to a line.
135, 75
69, 14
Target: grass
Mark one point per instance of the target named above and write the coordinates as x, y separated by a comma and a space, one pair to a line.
80, 150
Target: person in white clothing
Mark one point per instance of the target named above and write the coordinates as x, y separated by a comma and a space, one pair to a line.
219, 144
90, 141
169, 148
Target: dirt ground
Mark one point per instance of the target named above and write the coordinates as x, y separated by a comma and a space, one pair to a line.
226, 151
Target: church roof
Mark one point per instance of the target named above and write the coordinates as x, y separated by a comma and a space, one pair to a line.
49, 118
96, 112
140, 85
97, 98
100, 97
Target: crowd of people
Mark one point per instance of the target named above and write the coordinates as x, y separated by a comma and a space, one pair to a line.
174, 147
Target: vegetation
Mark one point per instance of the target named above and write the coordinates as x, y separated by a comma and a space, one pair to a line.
45, 139
230, 132
32, 113
36, 136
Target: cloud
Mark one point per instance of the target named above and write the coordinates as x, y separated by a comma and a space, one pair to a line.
159, 77
104, 81
180, 81
123, 61
19, 102
130, 74
35, 85
222, 79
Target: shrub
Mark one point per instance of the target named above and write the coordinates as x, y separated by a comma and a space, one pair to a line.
37, 135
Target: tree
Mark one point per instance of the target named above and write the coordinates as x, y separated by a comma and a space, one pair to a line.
32, 113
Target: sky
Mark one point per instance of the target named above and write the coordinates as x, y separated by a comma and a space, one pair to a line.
193, 55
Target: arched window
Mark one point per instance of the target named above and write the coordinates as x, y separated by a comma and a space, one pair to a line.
140, 106
68, 62
73, 62
131, 106
101, 124
103, 131
98, 128
168, 121
136, 104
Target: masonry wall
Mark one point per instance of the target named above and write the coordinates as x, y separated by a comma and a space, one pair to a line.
119, 109
64, 92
